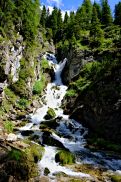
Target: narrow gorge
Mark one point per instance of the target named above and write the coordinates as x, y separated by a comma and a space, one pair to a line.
60, 92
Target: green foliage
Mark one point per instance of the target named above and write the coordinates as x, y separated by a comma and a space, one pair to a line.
15, 155
10, 95
117, 20
44, 64
106, 14
43, 17
23, 103
39, 85
71, 93
65, 157
8, 126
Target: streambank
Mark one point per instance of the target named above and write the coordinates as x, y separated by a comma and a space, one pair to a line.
65, 138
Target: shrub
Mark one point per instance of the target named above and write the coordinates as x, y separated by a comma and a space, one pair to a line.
15, 155
44, 64
71, 93
39, 85
23, 103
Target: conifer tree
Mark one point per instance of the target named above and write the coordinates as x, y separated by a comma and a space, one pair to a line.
66, 18
106, 14
28, 15
117, 20
96, 32
53, 22
87, 5
98, 9
43, 17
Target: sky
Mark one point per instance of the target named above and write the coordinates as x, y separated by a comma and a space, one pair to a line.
72, 5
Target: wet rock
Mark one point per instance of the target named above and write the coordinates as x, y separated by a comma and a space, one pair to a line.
27, 132
50, 114
46, 171
11, 137
49, 140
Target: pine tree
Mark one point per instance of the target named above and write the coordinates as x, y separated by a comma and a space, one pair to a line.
117, 20
66, 18
106, 14
28, 16
98, 9
43, 17
87, 5
54, 23
96, 32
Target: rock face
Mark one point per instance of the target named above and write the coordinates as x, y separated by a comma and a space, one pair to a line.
11, 54
99, 105
76, 60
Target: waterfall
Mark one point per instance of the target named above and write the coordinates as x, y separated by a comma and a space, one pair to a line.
68, 131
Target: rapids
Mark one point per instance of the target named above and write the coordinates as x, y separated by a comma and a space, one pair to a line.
68, 131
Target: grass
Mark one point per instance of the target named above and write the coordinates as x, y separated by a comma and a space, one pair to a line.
8, 126
44, 64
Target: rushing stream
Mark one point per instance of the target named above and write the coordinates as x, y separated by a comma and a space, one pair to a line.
68, 132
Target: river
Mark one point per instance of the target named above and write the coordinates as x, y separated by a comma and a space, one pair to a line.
70, 133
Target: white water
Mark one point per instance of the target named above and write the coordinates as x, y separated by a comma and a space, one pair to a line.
69, 132
54, 94
48, 161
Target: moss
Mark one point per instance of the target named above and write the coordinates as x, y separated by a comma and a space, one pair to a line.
65, 157
39, 85
116, 178
50, 114
34, 152
20, 165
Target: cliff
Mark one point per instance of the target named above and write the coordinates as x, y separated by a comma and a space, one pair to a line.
94, 95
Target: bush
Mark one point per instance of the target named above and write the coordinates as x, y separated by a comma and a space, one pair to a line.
39, 85
23, 103
71, 93
15, 155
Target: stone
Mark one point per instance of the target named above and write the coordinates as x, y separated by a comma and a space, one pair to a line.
11, 137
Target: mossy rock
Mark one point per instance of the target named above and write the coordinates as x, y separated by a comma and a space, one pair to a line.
49, 140
116, 178
34, 152
65, 157
20, 165
50, 114
51, 124
46, 171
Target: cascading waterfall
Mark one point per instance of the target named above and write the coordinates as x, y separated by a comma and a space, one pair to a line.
68, 132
